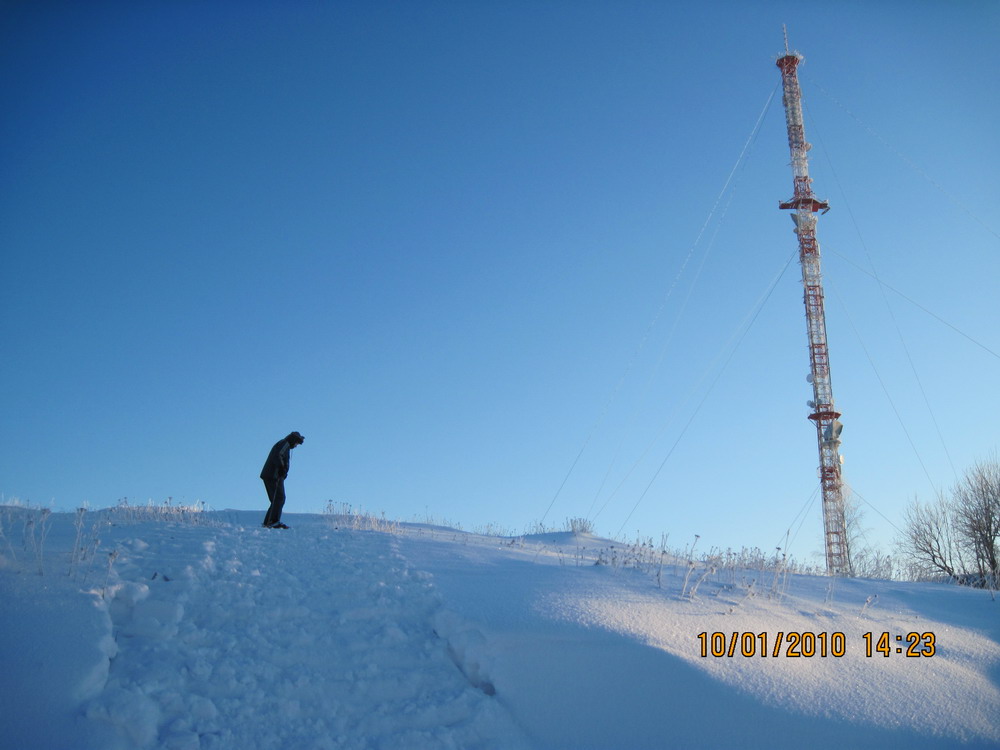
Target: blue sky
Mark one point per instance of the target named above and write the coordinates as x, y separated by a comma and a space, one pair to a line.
458, 245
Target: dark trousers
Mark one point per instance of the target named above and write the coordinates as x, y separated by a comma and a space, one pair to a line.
276, 494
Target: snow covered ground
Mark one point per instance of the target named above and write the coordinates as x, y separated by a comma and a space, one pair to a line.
125, 631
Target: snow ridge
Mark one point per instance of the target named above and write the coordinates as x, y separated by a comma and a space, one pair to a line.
215, 633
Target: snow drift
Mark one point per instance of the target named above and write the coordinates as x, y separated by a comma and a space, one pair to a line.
212, 632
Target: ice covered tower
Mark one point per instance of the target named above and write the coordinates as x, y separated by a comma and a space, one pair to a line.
824, 415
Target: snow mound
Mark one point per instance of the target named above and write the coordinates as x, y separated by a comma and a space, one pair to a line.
225, 635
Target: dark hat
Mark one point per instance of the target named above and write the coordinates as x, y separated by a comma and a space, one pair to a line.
296, 438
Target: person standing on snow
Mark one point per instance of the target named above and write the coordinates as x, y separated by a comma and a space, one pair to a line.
274, 472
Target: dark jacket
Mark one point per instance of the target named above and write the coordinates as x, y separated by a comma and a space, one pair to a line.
278, 460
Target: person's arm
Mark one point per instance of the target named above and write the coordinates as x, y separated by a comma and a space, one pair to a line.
284, 459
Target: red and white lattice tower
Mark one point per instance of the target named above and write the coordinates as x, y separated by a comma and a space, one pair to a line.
824, 416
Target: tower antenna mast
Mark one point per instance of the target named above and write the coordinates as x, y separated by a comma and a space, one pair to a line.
824, 415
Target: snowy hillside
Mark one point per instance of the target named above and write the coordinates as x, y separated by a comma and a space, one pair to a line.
211, 632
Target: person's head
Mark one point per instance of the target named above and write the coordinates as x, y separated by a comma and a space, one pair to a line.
294, 439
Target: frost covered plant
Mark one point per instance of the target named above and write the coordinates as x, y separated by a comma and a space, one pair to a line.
494, 529
639, 555
868, 602
84, 548
44, 524
689, 554
751, 593
607, 556
36, 529
538, 528
663, 556
779, 583
579, 525
76, 556
829, 592
708, 571
127, 512
687, 577
344, 515
112, 556
3, 518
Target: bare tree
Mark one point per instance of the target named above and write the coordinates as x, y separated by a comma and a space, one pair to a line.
976, 503
853, 525
930, 540
866, 561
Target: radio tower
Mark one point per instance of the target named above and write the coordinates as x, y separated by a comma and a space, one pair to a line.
824, 416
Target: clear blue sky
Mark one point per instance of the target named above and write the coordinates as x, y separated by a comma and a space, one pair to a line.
434, 238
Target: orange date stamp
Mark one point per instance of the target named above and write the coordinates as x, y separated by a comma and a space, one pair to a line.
793, 644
